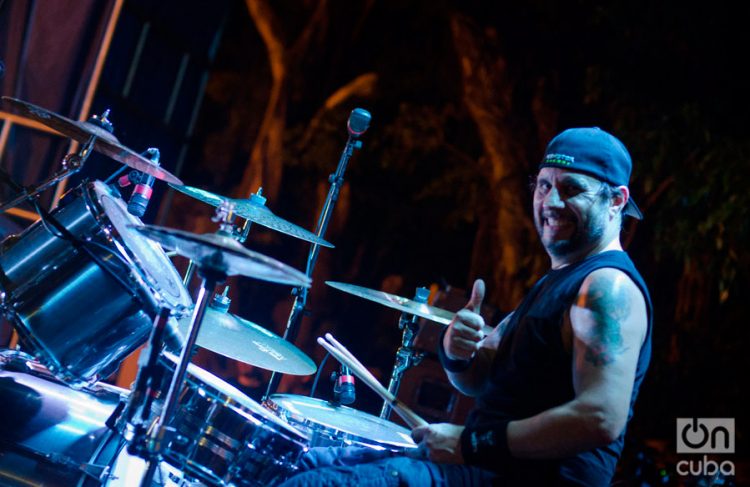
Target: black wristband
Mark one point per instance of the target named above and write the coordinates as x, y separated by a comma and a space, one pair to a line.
486, 445
450, 364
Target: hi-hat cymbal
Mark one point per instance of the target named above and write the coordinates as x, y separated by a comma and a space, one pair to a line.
243, 340
405, 305
224, 254
105, 143
254, 212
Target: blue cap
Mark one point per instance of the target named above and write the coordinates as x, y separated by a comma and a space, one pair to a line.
592, 151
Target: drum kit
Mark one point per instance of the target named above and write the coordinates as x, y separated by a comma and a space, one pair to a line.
88, 284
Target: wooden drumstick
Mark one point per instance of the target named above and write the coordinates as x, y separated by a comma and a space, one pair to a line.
332, 340
384, 393
343, 355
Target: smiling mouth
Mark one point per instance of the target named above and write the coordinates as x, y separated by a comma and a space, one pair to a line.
556, 222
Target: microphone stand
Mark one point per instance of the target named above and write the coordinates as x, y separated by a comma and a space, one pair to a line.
300, 293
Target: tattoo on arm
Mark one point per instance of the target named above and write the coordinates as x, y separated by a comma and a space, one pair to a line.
610, 305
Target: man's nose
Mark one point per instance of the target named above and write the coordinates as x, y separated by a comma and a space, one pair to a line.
552, 199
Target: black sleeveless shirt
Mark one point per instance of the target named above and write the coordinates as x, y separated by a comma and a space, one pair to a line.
532, 372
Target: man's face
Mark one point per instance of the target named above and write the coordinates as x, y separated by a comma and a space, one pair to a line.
570, 213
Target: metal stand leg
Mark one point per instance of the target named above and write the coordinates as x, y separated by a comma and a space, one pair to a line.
159, 436
406, 356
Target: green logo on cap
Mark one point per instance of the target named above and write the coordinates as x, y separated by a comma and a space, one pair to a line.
559, 159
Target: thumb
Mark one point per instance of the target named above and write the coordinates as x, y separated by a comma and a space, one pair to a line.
418, 433
477, 296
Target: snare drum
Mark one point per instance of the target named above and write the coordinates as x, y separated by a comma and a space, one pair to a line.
328, 425
79, 319
224, 437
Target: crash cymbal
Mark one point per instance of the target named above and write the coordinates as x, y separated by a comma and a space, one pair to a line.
405, 305
254, 211
224, 254
105, 143
239, 339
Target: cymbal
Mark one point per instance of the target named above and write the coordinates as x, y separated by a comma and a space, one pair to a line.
225, 254
254, 212
105, 143
239, 339
405, 305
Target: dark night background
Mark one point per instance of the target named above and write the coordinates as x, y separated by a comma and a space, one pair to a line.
464, 97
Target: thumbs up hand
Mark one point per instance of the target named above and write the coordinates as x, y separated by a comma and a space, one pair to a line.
464, 334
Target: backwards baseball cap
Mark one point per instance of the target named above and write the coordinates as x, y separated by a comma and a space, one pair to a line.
592, 151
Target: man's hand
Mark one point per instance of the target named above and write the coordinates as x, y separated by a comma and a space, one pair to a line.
440, 442
461, 341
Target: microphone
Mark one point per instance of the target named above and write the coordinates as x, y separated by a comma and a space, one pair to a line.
344, 390
359, 122
144, 187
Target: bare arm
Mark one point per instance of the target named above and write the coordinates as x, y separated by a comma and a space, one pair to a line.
608, 323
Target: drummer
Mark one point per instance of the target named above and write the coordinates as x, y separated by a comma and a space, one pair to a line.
555, 382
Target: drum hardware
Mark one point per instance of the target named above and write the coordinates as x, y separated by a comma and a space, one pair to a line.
252, 210
96, 131
411, 309
328, 424
217, 256
345, 357
71, 164
406, 355
243, 340
356, 126
84, 251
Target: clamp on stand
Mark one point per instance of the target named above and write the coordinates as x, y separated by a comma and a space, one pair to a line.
71, 164
406, 355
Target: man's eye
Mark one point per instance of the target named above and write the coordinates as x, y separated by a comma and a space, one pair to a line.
571, 190
543, 186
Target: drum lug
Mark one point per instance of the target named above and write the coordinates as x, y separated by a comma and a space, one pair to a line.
96, 472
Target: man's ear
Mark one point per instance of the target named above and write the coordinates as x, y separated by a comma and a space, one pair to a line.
619, 200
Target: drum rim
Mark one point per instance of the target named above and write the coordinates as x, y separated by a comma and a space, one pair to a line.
114, 236
338, 433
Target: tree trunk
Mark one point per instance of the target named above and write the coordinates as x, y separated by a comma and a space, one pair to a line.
503, 249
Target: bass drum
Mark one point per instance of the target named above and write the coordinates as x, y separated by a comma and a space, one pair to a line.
329, 425
82, 304
49, 433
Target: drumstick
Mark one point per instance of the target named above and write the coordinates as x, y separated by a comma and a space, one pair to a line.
384, 393
332, 340
411, 418
345, 357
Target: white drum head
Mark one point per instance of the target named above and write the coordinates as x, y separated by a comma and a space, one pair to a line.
158, 269
344, 419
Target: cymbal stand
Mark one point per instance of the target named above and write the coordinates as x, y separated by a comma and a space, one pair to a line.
300, 293
71, 164
259, 200
231, 229
224, 214
213, 272
406, 355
